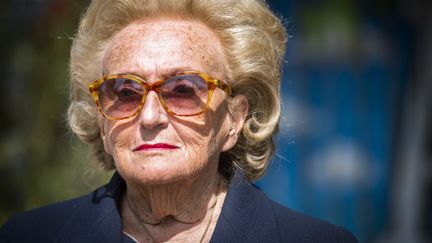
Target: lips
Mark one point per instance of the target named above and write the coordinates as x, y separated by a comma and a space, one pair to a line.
156, 146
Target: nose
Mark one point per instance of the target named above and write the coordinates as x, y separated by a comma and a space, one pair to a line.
153, 114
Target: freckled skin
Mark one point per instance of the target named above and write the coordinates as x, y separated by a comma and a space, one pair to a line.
157, 50
176, 185
186, 45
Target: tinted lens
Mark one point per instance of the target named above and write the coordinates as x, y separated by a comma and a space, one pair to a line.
185, 94
120, 97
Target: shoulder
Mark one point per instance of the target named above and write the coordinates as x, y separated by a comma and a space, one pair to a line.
90, 218
295, 225
249, 215
41, 224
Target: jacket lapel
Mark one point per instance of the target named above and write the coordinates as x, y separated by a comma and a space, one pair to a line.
97, 219
247, 215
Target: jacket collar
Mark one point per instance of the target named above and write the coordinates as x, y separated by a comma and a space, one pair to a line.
244, 216
97, 217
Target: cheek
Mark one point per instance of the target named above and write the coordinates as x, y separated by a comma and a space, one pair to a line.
120, 137
197, 144
203, 143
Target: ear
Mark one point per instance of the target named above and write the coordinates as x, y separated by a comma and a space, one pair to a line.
239, 108
102, 125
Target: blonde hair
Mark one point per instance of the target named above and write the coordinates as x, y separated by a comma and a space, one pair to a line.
253, 39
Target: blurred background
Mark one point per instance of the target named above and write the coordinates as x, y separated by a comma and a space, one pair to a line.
355, 142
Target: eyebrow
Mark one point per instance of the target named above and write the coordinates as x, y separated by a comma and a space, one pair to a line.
166, 73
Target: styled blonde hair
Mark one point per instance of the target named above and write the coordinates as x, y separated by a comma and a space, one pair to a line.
254, 42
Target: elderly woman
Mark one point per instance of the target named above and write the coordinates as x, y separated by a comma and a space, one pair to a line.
181, 99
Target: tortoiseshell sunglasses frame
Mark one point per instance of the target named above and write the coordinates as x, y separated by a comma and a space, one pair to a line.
212, 84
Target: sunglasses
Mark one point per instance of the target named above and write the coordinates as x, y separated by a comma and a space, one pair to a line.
123, 96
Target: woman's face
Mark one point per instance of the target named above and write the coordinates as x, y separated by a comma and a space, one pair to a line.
156, 147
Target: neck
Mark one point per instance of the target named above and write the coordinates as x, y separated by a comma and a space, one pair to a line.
185, 206
185, 201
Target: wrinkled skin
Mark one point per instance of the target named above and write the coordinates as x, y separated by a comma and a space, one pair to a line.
180, 184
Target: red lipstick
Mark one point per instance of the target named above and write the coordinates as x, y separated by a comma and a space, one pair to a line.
147, 146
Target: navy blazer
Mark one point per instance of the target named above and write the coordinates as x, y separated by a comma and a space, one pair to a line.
248, 215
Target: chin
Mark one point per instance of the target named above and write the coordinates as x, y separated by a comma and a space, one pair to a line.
157, 167
154, 173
